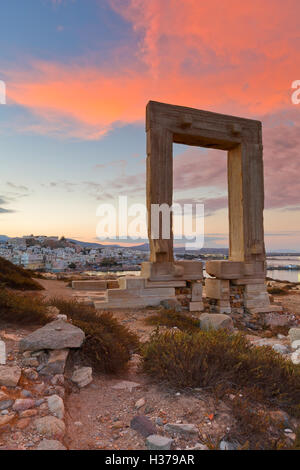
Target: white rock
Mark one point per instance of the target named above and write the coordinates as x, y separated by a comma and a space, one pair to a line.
63, 317
225, 445
50, 426
140, 403
2, 353
280, 348
294, 334
10, 375
56, 406
126, 385
296, 344
82, 376
185, 429
295, 357
49, 444
156, 442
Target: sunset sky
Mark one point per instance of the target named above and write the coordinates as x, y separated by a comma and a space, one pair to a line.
79, 74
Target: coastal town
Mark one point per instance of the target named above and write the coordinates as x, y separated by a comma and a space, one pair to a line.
54, 254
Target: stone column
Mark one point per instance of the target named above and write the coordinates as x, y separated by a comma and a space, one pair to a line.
160, 188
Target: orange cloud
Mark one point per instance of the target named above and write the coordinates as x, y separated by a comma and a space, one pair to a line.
231, 57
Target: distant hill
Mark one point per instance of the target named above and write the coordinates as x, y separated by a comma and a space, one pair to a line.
16, 277
91, 244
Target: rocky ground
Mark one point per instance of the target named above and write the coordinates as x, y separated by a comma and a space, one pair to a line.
67, 408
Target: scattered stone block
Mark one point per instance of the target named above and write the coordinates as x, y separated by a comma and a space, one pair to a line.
82, 376
126, 385
31, 374
23, 423
170, 304
294, 334
10, 375
143, 425
196, 307
30, 362
5, 404
295, 344
140, 403
295, 357
50, 444
156, 442
6, 419
183, 429
2, 353
274, 320
225, 445
215, 321
280, 348
56, 362
56, 406
22, 404
55, 335
50, 426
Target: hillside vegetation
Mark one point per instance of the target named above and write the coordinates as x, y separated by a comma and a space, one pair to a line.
15, 277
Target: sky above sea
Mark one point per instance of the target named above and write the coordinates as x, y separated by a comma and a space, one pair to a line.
78, 76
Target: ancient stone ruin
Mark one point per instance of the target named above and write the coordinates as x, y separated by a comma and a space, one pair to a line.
242, 276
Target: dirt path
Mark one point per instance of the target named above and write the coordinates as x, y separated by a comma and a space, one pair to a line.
99, 416
55, 288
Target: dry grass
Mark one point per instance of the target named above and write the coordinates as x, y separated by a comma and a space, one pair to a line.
108, 345
22, 309
171, 319
16, 277
218, 360
278, 290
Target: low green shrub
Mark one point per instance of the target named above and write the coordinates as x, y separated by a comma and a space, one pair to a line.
218, 360
170, 318
22, 309
109, 344
16, 277
277, 291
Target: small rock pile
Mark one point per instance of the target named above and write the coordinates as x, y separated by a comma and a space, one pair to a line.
32, 388
288, 346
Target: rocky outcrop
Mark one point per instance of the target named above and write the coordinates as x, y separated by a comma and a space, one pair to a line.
82, 376
215, 321
55, 335
10, 375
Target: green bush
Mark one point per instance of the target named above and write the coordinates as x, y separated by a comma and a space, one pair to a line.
108, 344
16, 277
277, 291
216, 359
170, 318
21, 308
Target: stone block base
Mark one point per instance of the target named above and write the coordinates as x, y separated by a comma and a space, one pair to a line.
175, 271
89, 285
196, 307
217, 289
134, 293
